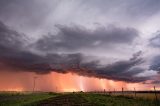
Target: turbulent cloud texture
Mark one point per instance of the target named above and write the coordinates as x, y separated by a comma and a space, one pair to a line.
95, 38
155, 41
15, 55
77, 37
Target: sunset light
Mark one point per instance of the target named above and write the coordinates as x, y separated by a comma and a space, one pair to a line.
80, 52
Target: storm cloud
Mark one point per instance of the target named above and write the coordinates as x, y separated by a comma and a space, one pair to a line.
78, 37
155, 64
91, 38
155, 41
15, 55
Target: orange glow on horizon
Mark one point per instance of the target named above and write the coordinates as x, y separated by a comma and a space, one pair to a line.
14, 89
23, 81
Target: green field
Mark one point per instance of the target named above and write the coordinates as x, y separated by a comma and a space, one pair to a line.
22, 98
71, 99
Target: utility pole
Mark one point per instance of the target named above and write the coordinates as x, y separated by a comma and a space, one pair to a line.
135, 92
155, 95
56, 89
34, 83
122, 91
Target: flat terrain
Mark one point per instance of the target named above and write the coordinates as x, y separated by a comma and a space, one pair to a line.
72, 99
22, 98
96, 100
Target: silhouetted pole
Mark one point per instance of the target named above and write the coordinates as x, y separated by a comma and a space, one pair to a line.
122, 91
155, 93
122, 95
34, 83
135, 92
56, 89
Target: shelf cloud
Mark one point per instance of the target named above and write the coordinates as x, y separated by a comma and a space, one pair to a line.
102, 39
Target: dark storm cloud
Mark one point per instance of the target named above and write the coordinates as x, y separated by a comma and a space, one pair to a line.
10, 40
13, 52
155, 41
155, 64
78, 37
122, 70
15, 56
50, 52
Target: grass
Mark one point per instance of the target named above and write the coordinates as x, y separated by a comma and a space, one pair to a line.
107, 100
148, 96
70, 99
22, 98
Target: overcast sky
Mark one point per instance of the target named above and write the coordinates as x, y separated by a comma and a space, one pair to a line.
118, 39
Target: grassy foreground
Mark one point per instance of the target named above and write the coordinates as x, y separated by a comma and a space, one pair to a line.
91, 99
71, 99
107, 100
22, 98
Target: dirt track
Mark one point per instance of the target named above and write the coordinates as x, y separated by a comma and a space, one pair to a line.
66, 100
